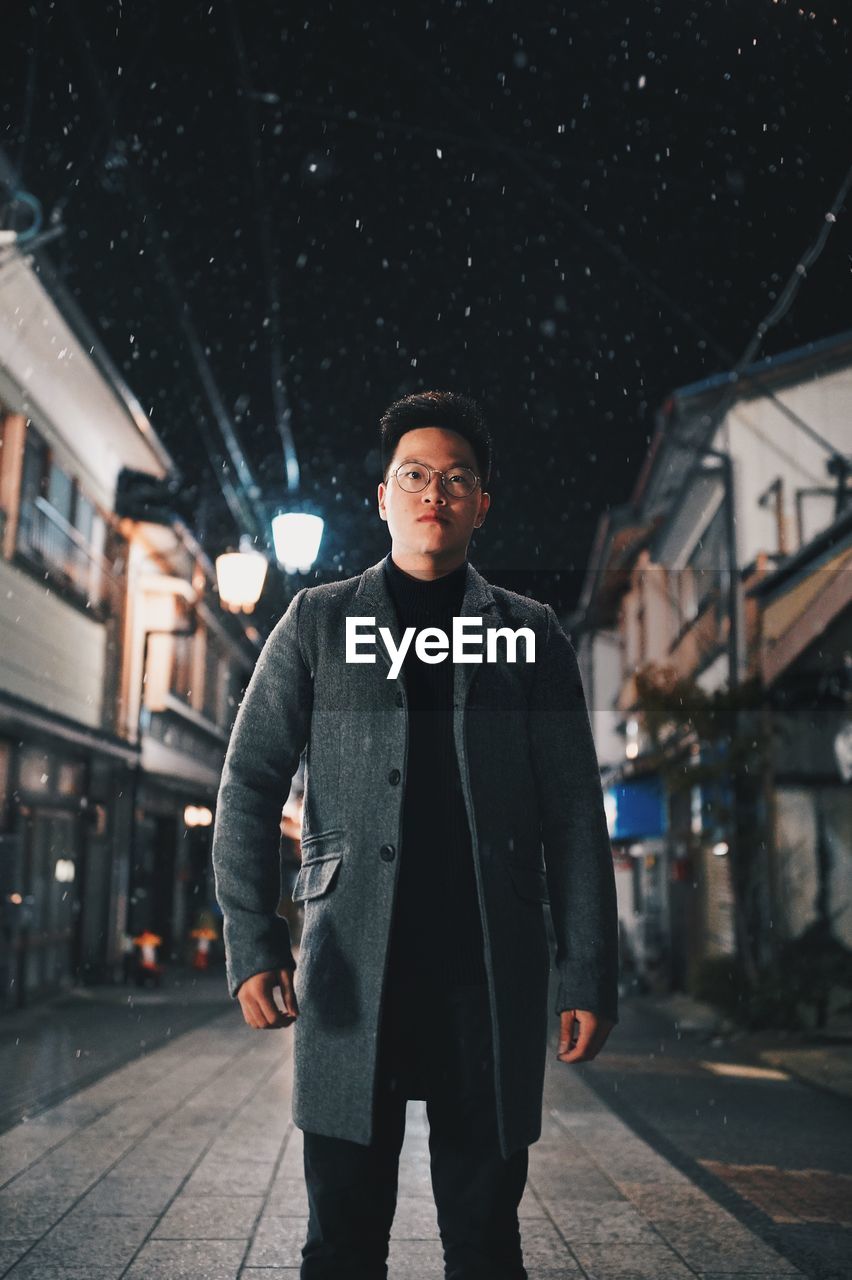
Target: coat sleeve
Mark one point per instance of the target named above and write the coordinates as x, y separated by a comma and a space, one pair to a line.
269, 733
577, 851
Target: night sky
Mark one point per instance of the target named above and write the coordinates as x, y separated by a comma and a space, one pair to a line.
566, 211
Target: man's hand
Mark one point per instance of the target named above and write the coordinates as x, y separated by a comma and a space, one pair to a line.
582, 1035
256, 997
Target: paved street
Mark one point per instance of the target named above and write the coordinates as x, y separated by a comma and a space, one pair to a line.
183, 1163
729, 1113
58, 1045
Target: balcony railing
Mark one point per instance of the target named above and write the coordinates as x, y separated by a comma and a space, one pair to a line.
47, 541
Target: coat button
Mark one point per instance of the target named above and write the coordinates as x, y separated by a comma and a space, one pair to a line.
399, 699
394, 777
387, 853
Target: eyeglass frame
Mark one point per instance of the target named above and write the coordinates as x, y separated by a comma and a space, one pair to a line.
433, 471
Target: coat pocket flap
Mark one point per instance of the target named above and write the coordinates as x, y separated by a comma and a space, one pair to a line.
315, 877
530, 882
322, 842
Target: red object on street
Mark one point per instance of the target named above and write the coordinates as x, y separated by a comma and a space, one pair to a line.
147, 964
203, 937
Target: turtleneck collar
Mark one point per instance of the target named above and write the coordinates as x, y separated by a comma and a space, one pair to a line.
450, 586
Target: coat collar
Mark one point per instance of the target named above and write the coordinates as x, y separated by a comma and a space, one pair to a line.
373, 595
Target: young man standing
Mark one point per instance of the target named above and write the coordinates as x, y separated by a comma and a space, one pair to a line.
452, 792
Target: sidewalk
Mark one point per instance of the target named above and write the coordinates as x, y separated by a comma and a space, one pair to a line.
184, 1165
820, 1058
61, 1044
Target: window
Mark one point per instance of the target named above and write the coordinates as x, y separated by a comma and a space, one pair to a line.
212, 680
34, 769
182, 671
708, 560
60, 528
88, 562
34, 475
181, 683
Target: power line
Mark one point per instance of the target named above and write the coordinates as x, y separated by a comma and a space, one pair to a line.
280, 400
242, 497
717, 414
598, 236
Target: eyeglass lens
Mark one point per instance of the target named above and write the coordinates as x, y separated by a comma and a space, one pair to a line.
413, 478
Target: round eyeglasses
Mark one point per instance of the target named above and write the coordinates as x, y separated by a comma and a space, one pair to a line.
413, 477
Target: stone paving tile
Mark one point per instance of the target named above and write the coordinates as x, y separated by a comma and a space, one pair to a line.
548, 1273
210, 1218
631, 1262
543, 1248
566, 1187
590, 1221
120, 1194
415, 1218
235, 1177
38, 1270
288, 1198
188, 1260
415, 1259
73, 1243
277, 1242
706, 1235
790, 1195
92, 1150
28, 1142
662, 1201
739, 1254
31, 1214
414, 1180
530, 1206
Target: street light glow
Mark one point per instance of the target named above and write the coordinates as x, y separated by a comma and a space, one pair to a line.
240, 576
197, 816
297, 536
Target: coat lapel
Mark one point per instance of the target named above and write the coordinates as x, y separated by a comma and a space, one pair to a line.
478, 601
374, 601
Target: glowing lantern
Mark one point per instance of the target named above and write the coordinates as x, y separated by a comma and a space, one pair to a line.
297, 538
240, 576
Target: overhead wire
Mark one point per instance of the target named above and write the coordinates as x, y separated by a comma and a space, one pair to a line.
242, 496
599, 237
716, 415
29, 96
281, 403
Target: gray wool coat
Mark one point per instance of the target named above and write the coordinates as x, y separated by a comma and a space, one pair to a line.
533, 796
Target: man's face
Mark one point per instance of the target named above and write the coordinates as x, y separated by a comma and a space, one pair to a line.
432, 522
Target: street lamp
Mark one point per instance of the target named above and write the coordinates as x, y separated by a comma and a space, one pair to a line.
197, 815
240, 576
297, 536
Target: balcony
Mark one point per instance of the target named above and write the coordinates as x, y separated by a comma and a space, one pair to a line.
47, 545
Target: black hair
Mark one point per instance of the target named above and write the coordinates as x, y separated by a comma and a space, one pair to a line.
447, 409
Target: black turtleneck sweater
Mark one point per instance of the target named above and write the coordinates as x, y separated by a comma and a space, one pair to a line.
436, 938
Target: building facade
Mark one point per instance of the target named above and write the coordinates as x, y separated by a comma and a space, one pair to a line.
693, 582
95, 777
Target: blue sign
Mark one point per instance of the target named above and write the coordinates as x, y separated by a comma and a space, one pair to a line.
636, 809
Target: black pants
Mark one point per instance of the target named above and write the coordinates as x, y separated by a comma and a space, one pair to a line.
437, 1048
